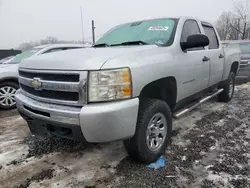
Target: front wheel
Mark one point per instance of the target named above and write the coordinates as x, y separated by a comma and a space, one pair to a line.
7, 95
154, 127
228, 87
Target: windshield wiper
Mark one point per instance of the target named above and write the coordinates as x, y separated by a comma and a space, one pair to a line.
133, 43
101, 45
138, 42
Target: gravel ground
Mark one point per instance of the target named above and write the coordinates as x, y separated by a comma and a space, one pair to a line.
45, 174
215, 153
210, 147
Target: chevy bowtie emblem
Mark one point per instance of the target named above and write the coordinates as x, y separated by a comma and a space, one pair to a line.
36, 83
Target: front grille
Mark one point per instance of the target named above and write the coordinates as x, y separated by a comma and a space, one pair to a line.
58, 87
51, 77
56, 95
244, 63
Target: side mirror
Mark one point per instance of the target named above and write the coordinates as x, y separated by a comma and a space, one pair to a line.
195, 41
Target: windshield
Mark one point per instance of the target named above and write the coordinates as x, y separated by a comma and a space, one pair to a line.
25, 55
244, 47
6, 59
150, 32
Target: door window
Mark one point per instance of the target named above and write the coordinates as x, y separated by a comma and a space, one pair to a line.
213, 39
190, 27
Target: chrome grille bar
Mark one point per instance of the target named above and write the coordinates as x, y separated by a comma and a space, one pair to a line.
45, 86
52, 85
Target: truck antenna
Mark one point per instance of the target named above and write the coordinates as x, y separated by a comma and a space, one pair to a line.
82, 25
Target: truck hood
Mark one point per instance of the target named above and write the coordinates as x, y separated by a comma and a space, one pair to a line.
80, 59
245, 56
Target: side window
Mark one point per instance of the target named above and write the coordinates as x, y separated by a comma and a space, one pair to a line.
213, 39
190, 27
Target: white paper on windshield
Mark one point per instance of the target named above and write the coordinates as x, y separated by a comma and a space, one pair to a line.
158, 28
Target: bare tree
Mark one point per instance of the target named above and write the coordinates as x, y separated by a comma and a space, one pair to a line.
235, 24
223, 25
25, 46
48, 40
242, 14
234, 32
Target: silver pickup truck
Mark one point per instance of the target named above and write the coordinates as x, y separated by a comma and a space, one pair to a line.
129, 85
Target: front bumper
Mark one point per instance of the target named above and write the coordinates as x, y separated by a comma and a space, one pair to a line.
100, 122
244, 71
243, 74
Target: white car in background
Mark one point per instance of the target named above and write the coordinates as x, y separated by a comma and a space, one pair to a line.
6, 59
9, 71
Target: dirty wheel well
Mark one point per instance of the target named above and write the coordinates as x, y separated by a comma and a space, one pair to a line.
163, 89
234, 67
9, 80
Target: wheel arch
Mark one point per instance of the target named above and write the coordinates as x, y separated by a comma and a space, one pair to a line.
9, 79
235, 67
163, 89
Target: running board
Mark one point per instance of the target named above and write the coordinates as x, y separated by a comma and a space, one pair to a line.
179, 114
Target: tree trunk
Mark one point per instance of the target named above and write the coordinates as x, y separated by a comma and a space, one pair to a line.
244, 31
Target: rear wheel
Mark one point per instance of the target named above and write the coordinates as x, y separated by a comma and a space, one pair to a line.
154, 126
228, 87
7, 95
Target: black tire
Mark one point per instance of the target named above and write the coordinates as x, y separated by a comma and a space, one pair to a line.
226, 95
137, 146
10, 84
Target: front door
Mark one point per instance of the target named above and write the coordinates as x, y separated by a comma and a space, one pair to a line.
195, 71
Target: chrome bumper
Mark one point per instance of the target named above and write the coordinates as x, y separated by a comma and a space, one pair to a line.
104, 122
101, 122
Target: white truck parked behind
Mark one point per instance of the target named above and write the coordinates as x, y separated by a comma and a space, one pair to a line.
129, 85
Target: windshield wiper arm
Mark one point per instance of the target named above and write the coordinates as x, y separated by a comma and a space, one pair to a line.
138, 42
134, 43
101, 45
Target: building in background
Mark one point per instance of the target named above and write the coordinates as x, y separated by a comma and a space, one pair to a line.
10, 52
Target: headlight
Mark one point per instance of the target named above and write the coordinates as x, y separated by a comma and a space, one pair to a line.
106, 85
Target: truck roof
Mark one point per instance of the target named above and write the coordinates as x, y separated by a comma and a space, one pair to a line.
179, 18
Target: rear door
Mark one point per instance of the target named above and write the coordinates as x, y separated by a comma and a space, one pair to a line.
195, 71
215, 54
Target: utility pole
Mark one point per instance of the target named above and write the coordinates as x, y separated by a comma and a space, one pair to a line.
93, 31
82, 25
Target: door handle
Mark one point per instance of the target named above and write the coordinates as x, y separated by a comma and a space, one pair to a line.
205, 58
221, 56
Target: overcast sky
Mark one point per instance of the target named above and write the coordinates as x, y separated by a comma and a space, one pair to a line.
27, 20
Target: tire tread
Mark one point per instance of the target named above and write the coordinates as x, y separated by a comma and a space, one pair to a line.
132, 145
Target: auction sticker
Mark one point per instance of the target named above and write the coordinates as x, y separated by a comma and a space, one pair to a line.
158, 28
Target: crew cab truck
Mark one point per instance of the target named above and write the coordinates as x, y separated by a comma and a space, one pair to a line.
129, 85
